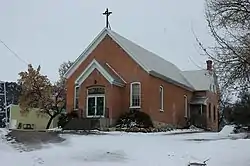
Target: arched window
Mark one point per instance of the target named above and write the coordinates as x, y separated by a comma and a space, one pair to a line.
135, 95
96, 90
76, 97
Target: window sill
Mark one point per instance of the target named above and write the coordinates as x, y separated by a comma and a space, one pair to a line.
96, 116
161, 110
133, 107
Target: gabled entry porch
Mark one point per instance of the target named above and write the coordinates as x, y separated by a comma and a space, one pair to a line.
98, 97
198, 112
97, 83
94, 114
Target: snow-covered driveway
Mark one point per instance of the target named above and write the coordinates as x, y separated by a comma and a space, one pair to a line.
133, 149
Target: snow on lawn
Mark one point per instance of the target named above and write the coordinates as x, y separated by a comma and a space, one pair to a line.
133, 149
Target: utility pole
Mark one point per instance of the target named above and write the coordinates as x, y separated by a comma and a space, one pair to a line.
5, 101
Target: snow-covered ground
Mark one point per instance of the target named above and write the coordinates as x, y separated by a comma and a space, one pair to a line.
134, 149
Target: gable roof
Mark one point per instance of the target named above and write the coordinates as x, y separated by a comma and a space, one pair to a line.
150, 62
118, 79
200, 79
112, 77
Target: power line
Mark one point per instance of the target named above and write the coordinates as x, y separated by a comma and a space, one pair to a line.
195, 63
15, 54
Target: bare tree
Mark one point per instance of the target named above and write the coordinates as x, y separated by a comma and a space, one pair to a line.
229, 24
64, 67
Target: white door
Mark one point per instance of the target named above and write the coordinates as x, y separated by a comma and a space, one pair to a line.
95, 106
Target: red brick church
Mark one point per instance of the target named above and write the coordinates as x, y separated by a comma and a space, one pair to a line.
114, 75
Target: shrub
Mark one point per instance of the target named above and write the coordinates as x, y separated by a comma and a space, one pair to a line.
65, 118
134, 119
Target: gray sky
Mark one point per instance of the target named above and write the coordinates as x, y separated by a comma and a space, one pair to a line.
49, 32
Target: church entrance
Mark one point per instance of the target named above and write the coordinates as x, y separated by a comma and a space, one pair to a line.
96, 102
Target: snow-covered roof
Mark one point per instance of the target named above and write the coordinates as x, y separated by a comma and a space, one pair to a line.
201, 79
150, 62
104, 69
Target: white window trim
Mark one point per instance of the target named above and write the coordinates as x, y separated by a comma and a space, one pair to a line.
162, 98
104, 106
131, 85
75, 97
186, 106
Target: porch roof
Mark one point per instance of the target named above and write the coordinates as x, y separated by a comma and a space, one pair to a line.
117, 78
106, 70
199, 101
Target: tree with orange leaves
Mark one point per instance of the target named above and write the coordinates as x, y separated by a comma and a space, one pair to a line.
39, 92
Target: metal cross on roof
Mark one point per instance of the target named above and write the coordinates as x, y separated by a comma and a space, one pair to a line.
107, 13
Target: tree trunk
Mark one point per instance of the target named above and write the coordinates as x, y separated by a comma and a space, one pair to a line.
49, 122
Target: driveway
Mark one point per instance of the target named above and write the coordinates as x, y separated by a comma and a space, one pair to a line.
30, 140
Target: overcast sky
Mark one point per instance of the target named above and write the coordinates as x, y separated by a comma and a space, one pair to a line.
49, 32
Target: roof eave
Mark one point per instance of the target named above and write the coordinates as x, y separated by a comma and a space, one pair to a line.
81, 58
203, 101
118, 83
127, 51
167, 79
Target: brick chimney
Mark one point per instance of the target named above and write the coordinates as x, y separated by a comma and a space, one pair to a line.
209, 65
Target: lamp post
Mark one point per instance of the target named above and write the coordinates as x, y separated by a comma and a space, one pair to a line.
5, 101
